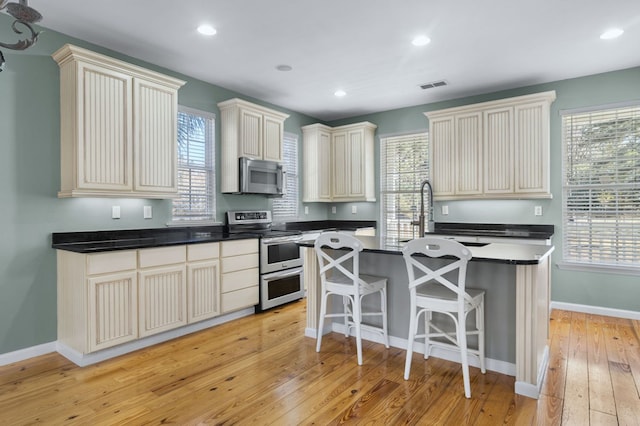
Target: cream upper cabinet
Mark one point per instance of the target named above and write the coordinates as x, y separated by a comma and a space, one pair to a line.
248, 130
339, 158
118, 127
316, 163
497, 149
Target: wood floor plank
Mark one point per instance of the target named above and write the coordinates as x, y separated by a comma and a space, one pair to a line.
598, 418
576, 396
600, 388
549, 411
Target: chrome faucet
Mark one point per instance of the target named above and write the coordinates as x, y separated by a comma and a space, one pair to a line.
421, 218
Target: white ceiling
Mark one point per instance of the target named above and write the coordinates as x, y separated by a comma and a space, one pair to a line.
361, 46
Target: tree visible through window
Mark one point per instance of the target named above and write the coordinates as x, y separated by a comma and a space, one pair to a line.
601, 187
404, 164
196, 176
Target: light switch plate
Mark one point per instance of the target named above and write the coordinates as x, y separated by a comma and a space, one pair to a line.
445, 210
115, 212
148, 212
306, 209
537, 210
354, 209
333, 209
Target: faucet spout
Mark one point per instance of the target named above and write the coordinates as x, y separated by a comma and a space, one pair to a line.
430, 224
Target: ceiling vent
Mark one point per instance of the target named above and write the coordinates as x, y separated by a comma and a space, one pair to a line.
433, 84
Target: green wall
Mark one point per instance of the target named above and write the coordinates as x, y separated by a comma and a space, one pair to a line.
30, 177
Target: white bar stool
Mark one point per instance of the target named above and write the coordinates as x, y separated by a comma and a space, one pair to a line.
342, 276
431, 292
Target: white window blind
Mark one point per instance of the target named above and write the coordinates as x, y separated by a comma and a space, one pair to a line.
196, 175
286, 207
601, 187
404, 164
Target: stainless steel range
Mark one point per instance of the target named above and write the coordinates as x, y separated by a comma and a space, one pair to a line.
280, 257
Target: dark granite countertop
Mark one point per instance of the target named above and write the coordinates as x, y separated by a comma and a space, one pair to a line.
537, 232
131, 239
517, 254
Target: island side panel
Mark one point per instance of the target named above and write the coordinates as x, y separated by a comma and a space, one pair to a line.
532, 318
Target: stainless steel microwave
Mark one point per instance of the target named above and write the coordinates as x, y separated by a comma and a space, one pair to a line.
261, 177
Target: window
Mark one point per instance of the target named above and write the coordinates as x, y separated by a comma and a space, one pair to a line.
601, 187
196, 175
286, 207
404, 164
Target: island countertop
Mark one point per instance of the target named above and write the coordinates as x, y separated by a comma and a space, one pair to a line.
510, 253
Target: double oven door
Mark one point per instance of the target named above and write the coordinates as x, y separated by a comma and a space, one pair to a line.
280, 271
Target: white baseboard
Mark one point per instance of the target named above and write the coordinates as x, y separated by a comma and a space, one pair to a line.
26, 353
87, 359
498, 366
596, 310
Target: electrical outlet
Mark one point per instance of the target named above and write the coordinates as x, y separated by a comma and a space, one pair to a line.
306, 209
537, 210
354, 209
333, 209
115, 212
147, 212
445, 210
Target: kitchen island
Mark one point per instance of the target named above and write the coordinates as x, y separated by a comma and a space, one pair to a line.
515, 277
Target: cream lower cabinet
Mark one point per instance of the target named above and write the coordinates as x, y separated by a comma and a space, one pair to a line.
497, 149
203, 281
240, 274
346, 166
106, 299
97, 299
162, 289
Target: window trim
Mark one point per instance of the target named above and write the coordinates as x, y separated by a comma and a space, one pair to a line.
294, 138
587, 265
382, 178
182, 222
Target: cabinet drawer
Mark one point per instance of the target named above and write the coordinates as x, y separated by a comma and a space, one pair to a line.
239, 279
203, 251
238, 263
162, 256
113, 261
235, 248
240, 299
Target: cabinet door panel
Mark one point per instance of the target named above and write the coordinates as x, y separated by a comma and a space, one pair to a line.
442, 156
532, 147
468, 147
203, 290
112, 310
356, 162
162, 299
250, 135
498, 151
105, 150
239, 279
273, 139
155, 138
340, 162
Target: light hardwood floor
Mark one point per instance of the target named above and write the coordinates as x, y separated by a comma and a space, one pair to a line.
262, 370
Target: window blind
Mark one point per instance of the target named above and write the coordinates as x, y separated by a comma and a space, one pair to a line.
286, 207
601, 187
196, 175
404, 164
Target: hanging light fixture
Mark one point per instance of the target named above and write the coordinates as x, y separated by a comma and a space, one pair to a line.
25, 16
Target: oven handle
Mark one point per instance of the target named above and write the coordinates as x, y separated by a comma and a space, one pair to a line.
282, 274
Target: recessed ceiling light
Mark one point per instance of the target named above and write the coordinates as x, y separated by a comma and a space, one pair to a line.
421, 40
340, 93
611, 34
206, 29
284, 67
